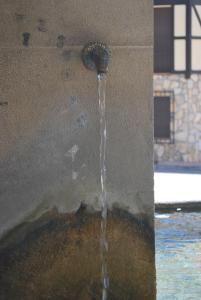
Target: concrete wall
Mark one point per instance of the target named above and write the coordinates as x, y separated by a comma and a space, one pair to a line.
186, 145
49, 216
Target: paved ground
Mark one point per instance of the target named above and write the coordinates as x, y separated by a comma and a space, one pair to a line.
177, 184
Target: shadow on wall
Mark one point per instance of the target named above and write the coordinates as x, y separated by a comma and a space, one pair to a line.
58, 257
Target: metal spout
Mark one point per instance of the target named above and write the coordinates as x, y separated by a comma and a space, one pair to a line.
96, 57
100, 56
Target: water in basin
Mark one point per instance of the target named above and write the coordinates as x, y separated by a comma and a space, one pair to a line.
178, 256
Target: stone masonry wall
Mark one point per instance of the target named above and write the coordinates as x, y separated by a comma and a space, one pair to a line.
50, 205
186, 146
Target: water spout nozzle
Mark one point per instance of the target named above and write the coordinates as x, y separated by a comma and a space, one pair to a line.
96, 56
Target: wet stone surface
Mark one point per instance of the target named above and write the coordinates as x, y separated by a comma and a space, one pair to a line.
58, 257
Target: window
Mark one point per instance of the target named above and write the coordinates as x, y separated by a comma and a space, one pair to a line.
177, 36
163, 117
163, 45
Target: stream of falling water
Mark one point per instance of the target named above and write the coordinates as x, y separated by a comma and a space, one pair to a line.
103, 197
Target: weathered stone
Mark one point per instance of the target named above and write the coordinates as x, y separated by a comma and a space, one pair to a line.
190, 84
174, 84
50, 150
197, 118
191, 139
194, 77
160, 151
186, 158
177, 91
75, 22
194, 92
187, 115
58, 257
198, 145
166, 84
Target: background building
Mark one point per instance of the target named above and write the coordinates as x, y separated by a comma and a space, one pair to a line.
177, 81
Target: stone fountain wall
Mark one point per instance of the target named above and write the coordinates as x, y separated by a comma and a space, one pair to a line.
186, 146
50, 176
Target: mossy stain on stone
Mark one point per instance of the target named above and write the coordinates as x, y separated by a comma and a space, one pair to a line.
58, 257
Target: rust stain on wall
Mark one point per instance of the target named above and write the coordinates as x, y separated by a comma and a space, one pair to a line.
58, 257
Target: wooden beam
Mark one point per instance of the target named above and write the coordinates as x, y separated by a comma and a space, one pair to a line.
197, 14
188, 40
170, 2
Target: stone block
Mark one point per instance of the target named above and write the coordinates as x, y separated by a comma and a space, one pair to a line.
42, 124
50, 216
52, 23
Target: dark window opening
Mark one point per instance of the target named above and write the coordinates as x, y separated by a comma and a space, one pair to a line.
162, 117
163, 39
177, 36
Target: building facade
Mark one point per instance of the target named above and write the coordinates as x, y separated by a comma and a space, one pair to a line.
177, 81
